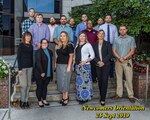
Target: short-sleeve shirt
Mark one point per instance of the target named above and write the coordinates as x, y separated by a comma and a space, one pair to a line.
123, 45
63, 54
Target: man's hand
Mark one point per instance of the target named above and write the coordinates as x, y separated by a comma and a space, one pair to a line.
122, 60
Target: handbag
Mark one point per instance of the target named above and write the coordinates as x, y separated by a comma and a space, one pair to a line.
14, 72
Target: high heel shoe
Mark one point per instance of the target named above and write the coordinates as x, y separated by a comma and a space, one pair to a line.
45, 103
64, 102
61, 101
41, 105
102, 103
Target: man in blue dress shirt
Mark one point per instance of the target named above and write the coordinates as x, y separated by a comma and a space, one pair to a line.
39, 30
73, 27
81, 26
62, 27
100, 21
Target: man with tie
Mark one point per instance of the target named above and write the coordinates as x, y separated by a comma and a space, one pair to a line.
111, 33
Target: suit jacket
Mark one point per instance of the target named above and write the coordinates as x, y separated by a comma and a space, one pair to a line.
41, 63
106, 52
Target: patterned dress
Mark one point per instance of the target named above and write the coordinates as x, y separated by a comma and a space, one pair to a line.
83, 82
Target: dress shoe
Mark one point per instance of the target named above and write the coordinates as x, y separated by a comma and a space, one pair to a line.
116, 97
132, 100
27, 104
102, 103
22, 105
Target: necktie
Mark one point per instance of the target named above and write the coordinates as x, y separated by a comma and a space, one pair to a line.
108, 33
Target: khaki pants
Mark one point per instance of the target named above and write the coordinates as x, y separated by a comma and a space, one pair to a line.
25, 83
120, 68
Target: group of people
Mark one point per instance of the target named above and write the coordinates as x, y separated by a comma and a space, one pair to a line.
88, 50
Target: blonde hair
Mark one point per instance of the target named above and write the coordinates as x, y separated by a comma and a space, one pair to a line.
60, 43
86, 40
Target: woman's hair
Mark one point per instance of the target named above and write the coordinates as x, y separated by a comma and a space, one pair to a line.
86, 40
100, 31
43, 40
60, 44
26, 34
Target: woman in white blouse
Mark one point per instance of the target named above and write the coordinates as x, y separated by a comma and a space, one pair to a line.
83, 55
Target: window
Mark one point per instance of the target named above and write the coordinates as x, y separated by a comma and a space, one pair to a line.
44, 6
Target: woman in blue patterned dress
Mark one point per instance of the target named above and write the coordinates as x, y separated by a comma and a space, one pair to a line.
83, 55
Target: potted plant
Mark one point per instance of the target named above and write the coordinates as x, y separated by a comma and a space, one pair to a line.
4, 72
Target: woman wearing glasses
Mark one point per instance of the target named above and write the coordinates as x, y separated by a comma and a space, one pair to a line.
44, 72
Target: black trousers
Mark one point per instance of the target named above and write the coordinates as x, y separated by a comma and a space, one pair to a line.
102, 75
41, 90
93, 70
111, 72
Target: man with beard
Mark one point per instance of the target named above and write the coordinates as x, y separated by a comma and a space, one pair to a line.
62, 27
28, 22
52, 44
73, 27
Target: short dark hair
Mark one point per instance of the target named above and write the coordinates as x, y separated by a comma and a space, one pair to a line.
63, 16
122, 25
108, 15
100, 31
31, 9
39, 14
52, 17
43, 40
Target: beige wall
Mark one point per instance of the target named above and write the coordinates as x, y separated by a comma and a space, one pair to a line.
68, 4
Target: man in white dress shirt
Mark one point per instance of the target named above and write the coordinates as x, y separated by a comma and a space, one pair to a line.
111, 33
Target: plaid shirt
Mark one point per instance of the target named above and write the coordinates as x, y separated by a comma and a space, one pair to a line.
26, 24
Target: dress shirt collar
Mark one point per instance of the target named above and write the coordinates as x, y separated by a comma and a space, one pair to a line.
40, 24
123, 36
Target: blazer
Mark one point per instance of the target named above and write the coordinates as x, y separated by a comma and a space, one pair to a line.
106, 52
41, 63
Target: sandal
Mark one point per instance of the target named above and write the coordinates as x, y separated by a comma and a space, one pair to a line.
61, 101
64, 102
